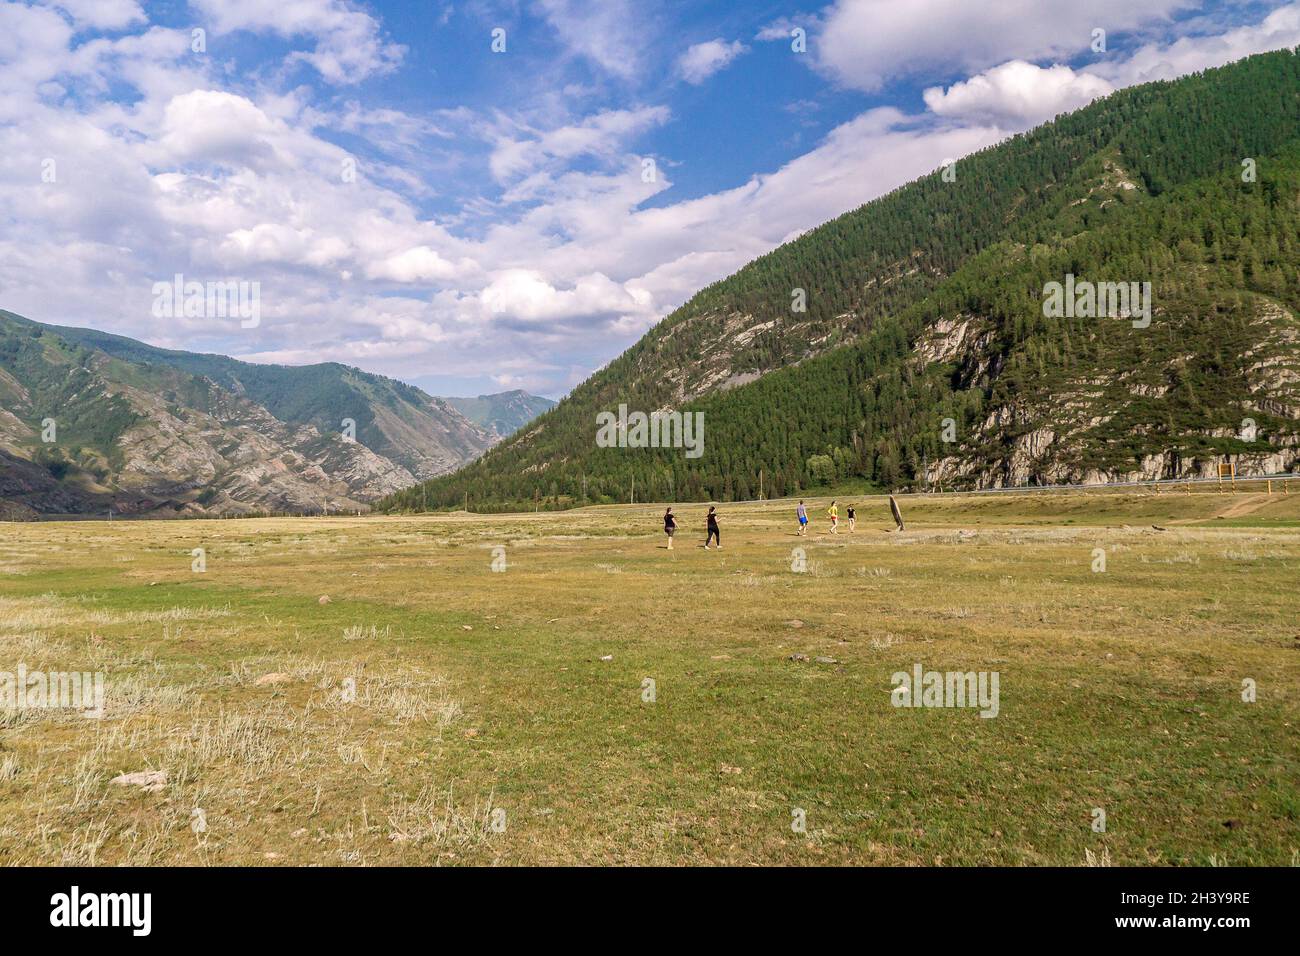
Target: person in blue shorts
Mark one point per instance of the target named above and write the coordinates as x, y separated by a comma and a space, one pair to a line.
803, 519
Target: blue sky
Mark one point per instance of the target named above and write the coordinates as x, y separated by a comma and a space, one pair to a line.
412, 202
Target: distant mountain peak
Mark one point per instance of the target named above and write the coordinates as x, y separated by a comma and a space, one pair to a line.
502, 413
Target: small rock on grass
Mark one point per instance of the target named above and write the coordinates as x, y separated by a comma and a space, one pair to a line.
324, 599
798, 657
278, 677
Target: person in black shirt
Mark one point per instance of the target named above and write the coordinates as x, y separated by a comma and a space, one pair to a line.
714, 533
670, 526
852, 519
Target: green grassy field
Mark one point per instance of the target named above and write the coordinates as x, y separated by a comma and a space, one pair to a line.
436, 711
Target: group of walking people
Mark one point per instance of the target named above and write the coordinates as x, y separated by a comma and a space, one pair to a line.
670, 528
715, 535
833, 511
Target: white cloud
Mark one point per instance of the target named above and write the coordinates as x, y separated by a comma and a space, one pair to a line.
33, 47
420, 264
101, 14
782, 29
211, 126
275, 243
702, 60
1156, 61
863, 43
526, 295
612, 34
348, 42
1017, 94
521, 150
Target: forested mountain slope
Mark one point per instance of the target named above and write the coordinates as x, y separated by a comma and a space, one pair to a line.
927, 305
91, 423
425, 435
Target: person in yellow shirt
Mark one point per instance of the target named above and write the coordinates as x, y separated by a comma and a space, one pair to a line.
834, 512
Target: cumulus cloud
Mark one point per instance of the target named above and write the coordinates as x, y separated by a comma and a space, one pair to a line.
526, 296
863, 43
33, 48
212, 126
1017, 94
702, 60
420, 264
275, 243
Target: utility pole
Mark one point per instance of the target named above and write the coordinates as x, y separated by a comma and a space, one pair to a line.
467, 501
760, 484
